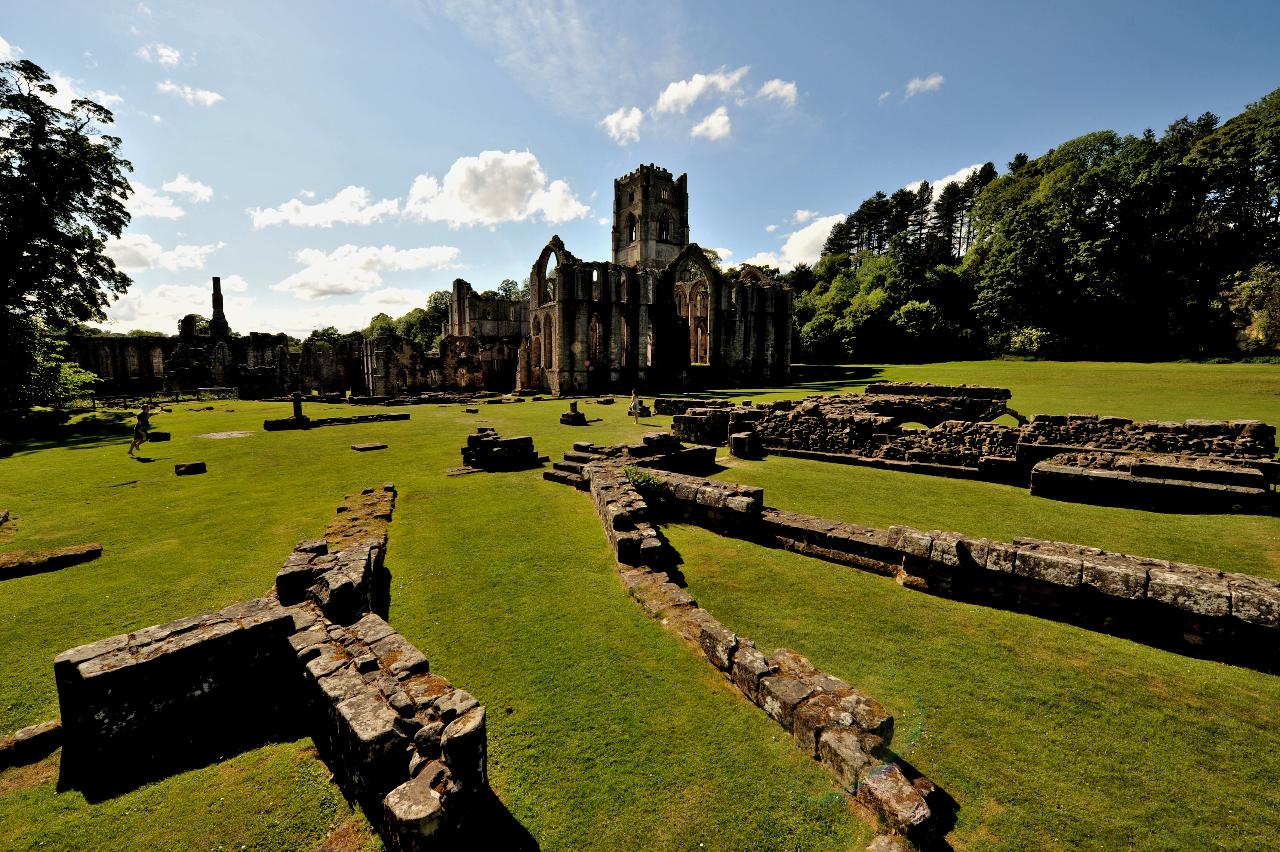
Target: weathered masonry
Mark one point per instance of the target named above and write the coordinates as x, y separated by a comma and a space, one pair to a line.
659, 315
1198, 466
314, 657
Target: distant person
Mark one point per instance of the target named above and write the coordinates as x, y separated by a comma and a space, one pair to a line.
636, 404
141, 429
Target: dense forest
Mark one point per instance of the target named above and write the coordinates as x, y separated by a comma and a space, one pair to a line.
1107, 246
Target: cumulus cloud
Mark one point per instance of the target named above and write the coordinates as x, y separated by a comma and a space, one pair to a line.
8, 51
770, 228
714, 126
352, 269
399, 298
193, 96
140, 252
958, 176
68, 90
802, 246
159, 53
623, 125
147, 202
193, 189
492, 188
723, 253
351, 205
802, 216
919, 85
680, 95
779, 90
884, 96
234, 283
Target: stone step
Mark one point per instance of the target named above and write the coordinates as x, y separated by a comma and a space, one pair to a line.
563, 478
585, 447
569, 467
580, 458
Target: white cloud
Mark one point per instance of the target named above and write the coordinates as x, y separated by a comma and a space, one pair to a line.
955, 177
918, 85
680, 95
884, 96
8, 52
802, 246
770, 228
802, 216
779, 90
143, 9
157, 52
87, 56
307, 193
68, 91
234, 284
352, 269
193, 189
724, 254
139, 252
602, 221
395, 297
193, 96
491, 188
155, 119
349, 206
146, 202
714, 126
623, 125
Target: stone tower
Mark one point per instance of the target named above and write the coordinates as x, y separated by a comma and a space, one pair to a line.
650, 217
218, 327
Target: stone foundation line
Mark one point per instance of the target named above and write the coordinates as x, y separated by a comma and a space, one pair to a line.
846, 730
314, 657
1187, 608
23, 563
1196, 466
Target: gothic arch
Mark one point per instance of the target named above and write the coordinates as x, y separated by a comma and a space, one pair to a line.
692, 255
538, 282
632, 228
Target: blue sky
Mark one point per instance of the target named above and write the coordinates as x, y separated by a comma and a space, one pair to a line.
332, 160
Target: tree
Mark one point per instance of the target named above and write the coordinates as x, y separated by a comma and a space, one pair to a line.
1256, 300
62, 195
329, 334
380, 326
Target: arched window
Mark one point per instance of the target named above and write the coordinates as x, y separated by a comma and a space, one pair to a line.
535, 345
664, 227
104, 363
131, 362
682, 304
699, 311
624, 343
157, 362
631, 228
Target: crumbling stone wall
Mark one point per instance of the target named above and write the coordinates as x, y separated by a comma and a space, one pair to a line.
1157, 482
315, 658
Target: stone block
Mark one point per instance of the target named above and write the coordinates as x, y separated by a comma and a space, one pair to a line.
1190, 588
821, 711
1118, 576
398, 655
840, 751
718, 643
190, 468
465, 751
888, 792
414, 812
1255, 600
158, 437
1060, 569
749, 666
780, 695
365, 448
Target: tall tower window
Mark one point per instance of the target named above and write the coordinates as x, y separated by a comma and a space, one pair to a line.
631, 228
664, 225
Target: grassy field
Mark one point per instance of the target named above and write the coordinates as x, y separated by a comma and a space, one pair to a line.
604, 731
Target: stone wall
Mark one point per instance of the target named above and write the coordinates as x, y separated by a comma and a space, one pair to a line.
313, 658
832, 722
1188, 608
1157, 482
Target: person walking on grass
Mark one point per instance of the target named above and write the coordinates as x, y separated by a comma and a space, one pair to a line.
141, 429
636, 404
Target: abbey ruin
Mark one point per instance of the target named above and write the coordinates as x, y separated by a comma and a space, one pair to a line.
660, 315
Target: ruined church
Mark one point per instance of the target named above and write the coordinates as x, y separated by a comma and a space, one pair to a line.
659, 316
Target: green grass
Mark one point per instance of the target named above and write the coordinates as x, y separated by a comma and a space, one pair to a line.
604, 730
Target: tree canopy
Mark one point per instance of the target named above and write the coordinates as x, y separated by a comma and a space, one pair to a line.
63, 189
1106, 246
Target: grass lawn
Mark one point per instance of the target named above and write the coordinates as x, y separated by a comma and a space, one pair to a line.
604, 731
